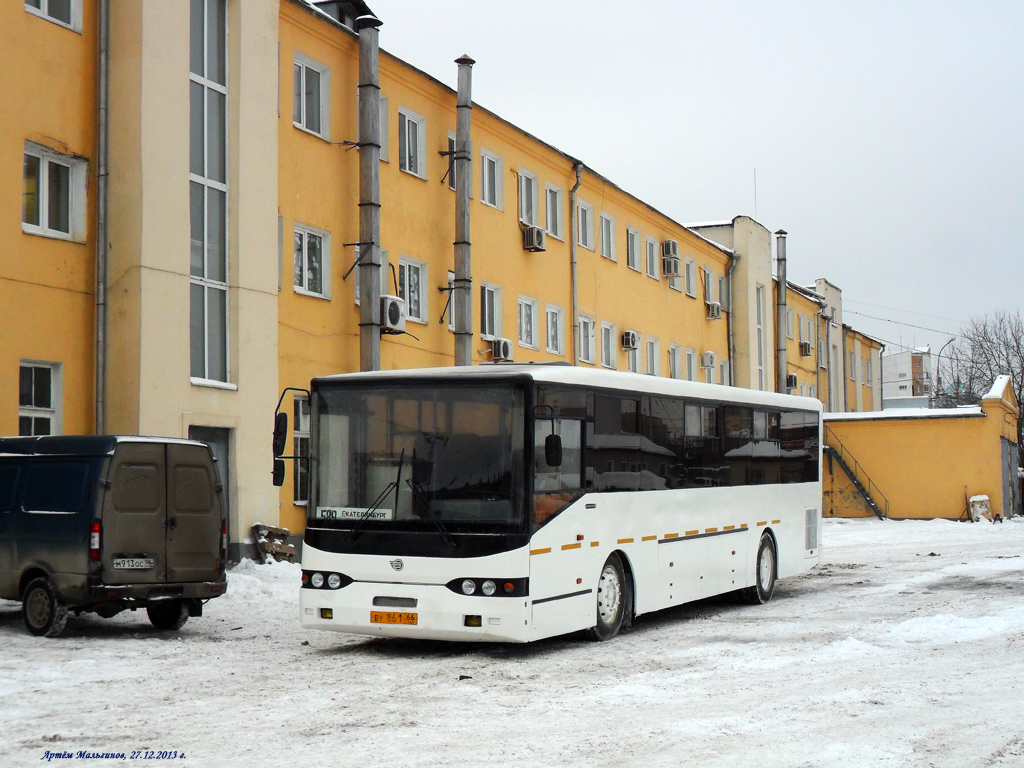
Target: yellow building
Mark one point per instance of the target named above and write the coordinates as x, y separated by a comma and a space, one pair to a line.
921, 463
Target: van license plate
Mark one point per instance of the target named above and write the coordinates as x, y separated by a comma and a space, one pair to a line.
133, 563
387, 617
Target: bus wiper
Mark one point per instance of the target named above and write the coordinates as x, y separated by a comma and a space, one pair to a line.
417, 492
393, 485
444, 532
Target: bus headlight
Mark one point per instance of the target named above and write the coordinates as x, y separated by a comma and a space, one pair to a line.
334, 581
487, 587
468, 586
317, 580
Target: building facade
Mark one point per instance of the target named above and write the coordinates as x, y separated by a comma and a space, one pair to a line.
908, 378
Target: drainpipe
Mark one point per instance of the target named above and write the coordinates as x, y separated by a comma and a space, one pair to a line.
828, 358
781, 320
573, 223
817, 347
881, 382
103, 100
369, 192
846, 374
462, 295
734, 259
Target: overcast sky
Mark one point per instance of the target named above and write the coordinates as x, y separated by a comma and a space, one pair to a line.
887, 137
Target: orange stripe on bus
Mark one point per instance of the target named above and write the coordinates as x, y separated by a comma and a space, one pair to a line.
729, 528
776, 522
625, 541
570, 546
540, 551
595, 543
710, 530
744, 525
649, 538
764, 523
671, 536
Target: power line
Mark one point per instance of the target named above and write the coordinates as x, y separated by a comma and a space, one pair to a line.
897, 309
897, 322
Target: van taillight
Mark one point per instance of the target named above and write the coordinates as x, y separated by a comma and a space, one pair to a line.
94, 540
223, 542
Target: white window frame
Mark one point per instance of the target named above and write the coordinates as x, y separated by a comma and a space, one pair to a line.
584, 216
691, 364
43, 12
490, 327
803, 389
853, 365
405, 265
651, 258
789, 322
812, 391
450, 301
553, 210
801, 326
608, 344
723, 372
77, 194
325, 261
528, 307
305, 63
490, 160
528, 187
653, 362
587, 327
675, 361
607, 227
690, 275
723, 293
300, 432
633, 249
55, 411
709, 286
558, 337
867, 371
633, 356
415, 140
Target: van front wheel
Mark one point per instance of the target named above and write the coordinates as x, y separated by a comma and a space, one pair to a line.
42, 609
168, 614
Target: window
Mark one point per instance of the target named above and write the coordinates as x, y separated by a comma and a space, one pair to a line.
822, 359
527, 198
490, 311
300, 432
66, 13
675, 361
800, 326
653, 369
382, 275
691, 364
853, 366
723, 372
789, 322
607, 345
54, 194
803, 389
633, 249
450, 300
633, 358
867, 372
208, 191
607, 236
311, 109
527, 322
490, 179
554, 211
412, 141
723, 293
412, 276
690, 277
759, 302
709, 286
586, 339
312, 261
652, 257
555, 320
812, 391
585, 224
38, 399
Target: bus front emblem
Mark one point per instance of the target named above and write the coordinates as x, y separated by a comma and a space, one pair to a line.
397, 565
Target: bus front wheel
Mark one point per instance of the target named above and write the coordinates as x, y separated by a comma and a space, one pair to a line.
764, 575
611, 600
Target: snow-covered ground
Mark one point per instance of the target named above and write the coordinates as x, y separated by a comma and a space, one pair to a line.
904, 648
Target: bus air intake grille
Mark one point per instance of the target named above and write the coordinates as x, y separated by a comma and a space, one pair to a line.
395, 602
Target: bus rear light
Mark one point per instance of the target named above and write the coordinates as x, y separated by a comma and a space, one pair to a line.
468, 587
324, 580
317, 580
94, 540
509, 586
489, 587
223, 542
326, 613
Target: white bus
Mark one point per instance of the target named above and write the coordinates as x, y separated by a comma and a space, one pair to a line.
517, 502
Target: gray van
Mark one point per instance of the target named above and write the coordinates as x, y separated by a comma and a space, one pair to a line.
103, 523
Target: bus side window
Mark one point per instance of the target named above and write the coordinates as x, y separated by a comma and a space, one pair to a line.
614, 460
663, 446
703, 462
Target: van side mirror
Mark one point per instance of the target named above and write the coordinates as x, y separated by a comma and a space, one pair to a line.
280, 433
279, 471
553, 450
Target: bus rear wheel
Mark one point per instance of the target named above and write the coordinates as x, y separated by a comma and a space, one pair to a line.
611, 600
765, 572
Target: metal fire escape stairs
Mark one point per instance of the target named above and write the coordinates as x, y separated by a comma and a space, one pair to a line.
873, 497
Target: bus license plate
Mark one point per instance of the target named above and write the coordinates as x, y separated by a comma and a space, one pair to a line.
386, 617
132, 563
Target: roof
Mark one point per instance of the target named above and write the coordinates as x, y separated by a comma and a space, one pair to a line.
998, 388
589, 377
77, 445
963, 412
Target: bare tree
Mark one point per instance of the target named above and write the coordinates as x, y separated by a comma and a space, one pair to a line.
986, 346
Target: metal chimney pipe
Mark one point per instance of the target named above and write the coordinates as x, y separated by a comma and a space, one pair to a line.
369, 192
462, 294
102, 158
781, 320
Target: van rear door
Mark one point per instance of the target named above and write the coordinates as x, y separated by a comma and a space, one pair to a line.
194, 496
134, 533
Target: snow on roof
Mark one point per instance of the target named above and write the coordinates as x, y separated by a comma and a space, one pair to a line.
965, 411
708, 224
998, 388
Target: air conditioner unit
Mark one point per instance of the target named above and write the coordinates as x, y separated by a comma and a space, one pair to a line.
392, 314
707, 360
714, 310
670, 248
534, 239
791, 382
671, 266
501, 350
805, 349
630, 340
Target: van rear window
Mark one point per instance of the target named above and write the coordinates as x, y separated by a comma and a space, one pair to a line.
57, 486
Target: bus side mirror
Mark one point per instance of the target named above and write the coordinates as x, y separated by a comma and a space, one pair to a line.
280, 434
279, 471
553, 450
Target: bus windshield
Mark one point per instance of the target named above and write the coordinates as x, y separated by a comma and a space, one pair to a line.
410, 456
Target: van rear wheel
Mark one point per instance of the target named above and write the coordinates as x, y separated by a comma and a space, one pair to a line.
168, 614
45, 614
